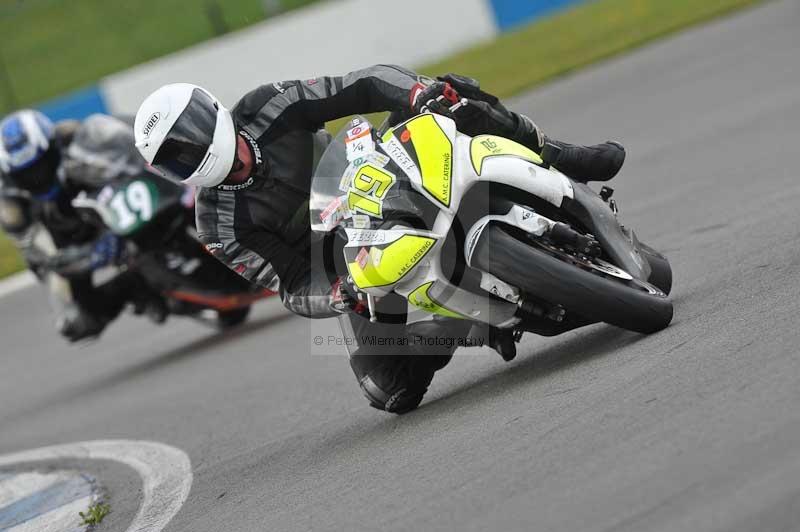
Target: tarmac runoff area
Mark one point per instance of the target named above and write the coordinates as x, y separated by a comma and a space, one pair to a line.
694, 428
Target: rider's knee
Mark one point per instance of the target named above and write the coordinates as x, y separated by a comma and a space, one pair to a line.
398, 402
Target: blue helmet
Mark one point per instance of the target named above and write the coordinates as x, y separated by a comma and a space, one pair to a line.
28, 156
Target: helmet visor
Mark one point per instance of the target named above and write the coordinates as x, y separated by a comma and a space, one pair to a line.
186, 145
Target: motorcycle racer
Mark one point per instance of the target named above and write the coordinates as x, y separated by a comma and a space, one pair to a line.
254, 164
43, 166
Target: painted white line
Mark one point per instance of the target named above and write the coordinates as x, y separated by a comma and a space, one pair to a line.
63, 518
16, 282
166, 473
17, 487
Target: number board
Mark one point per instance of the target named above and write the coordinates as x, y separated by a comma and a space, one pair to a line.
132, 206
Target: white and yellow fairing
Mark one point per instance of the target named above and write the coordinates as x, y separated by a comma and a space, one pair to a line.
442, 165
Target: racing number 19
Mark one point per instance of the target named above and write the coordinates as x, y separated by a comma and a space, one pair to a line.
132, 204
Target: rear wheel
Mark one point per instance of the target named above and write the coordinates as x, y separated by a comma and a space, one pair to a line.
231, 318
591, 288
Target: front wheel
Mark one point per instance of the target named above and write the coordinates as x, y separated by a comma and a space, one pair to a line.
231, 318
595, 290
661, 271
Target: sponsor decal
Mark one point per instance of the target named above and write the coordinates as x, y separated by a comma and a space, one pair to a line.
376, 254
278, 86
213, 246
490, 145
399, 156
376, 158
358, 131
368, 237
359, 142
332, 206
239, 186
253, 144
335, 212
360, 221
405, 136
379, 159
361, 258
312, 81
151, 123
526, 214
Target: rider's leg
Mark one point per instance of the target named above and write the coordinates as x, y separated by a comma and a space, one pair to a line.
394, 364
394, 383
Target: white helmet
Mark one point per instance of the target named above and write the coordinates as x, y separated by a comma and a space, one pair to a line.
186, 133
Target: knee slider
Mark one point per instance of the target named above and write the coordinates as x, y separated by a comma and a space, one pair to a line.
399, 402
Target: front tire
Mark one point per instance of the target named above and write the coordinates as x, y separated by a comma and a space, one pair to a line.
231, 318
630, 304
661, 275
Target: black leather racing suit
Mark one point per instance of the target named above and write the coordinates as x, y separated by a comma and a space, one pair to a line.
260, 228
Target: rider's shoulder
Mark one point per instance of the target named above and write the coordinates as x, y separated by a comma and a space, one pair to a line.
252, 103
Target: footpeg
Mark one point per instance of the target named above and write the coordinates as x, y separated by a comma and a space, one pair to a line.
555, 313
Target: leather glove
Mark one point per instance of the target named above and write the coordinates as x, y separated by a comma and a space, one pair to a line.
107, 249
344, 298
436, 97
468, 88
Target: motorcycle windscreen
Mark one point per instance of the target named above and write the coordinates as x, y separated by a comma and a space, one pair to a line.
351, 182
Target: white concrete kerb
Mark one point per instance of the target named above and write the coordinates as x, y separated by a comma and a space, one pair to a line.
16, 282
166, 473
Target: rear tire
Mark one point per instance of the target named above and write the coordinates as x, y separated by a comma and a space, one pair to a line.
231, 318
632, 305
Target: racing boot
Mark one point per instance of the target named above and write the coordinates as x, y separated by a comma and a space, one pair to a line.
502, 341
600, 162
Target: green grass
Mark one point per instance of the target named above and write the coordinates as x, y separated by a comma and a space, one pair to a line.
572, 39
95, 514
53, 46
575, 38
513, 62
10, 260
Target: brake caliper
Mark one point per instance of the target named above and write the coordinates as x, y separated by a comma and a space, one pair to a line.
562, 234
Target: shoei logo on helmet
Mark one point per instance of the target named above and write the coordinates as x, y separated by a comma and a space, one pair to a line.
151, 123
